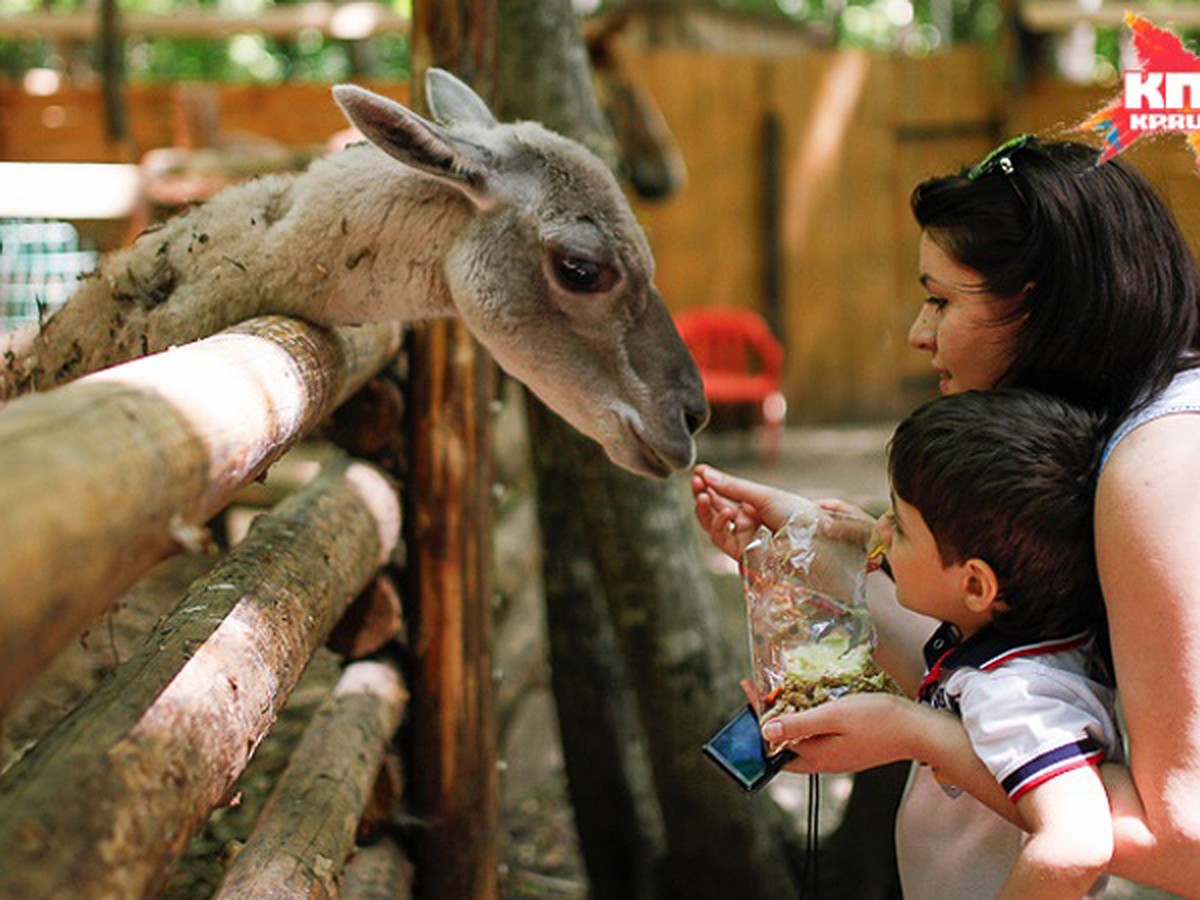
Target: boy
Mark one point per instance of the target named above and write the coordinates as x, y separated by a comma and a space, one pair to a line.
990, 532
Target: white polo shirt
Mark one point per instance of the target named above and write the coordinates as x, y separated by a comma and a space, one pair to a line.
1032, 711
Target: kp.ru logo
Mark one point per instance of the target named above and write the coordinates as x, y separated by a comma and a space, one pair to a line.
1162, 96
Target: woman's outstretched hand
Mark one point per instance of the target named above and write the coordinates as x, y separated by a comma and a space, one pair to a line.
732, 509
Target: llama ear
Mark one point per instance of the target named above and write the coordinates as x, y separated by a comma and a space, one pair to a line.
416, 142
452, 102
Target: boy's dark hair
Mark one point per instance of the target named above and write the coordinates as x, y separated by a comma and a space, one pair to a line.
1009, 477
1111, 291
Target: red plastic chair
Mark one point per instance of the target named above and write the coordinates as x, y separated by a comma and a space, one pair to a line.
741, 362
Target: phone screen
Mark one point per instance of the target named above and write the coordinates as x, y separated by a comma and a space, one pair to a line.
739, 749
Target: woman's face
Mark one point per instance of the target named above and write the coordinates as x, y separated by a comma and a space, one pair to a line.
960, 325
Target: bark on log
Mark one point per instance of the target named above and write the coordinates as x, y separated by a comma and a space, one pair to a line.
454, 782
95, 655
108, 801
378, 872
115, 471
374, 618
307, 829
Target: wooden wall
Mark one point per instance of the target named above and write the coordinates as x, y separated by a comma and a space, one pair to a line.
68, 125
855, 132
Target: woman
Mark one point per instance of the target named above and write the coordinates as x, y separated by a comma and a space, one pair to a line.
1048, 271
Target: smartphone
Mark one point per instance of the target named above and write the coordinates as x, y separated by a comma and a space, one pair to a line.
740, 752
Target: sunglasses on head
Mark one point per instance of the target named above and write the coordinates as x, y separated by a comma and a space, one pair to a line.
1001, 158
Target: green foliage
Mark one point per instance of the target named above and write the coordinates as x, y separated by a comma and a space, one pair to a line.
247, 57
912, 26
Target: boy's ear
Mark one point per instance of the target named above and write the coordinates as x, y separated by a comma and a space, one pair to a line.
980, 585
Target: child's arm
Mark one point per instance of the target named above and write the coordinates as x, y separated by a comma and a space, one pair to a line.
1071, 838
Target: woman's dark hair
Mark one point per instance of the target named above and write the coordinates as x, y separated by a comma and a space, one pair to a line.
1007, 477
1112, 309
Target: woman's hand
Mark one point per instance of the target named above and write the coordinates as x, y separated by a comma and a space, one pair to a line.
867, 730
857, 732
732, 510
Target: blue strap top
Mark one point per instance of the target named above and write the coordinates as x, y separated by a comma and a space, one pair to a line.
1182, 395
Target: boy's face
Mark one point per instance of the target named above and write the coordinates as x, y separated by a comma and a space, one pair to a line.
923, 583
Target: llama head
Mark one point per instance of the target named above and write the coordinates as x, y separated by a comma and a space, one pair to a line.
552, 273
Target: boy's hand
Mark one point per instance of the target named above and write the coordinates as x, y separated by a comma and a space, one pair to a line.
732, 510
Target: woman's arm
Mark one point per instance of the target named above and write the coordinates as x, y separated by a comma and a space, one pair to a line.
1148, 552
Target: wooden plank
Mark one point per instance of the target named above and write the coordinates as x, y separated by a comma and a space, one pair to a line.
1051, 16
705, 239
67, 124
117, 470
104, 805
68, 190
342, 21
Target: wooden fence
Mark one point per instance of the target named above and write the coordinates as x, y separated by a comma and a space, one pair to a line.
103, 478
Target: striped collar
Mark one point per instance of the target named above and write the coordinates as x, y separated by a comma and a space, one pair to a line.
985, 650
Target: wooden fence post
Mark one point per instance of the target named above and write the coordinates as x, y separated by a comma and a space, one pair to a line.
105, 476
104, 805
454, 784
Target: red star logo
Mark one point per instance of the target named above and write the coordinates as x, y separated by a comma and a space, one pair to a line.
1158, 51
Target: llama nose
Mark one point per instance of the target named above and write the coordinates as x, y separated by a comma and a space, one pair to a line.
695, 415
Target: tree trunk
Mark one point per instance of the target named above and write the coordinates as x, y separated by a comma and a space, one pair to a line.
620, 825
106, 803
454, 780
306, 831
112, 70
859, 858
645, 556
113, 472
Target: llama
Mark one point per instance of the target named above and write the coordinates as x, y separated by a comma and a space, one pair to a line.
521, 232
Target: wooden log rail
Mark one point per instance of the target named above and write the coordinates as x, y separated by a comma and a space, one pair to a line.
106, 803
107, 475
307, 829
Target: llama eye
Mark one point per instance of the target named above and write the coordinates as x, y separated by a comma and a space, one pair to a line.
583, 276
